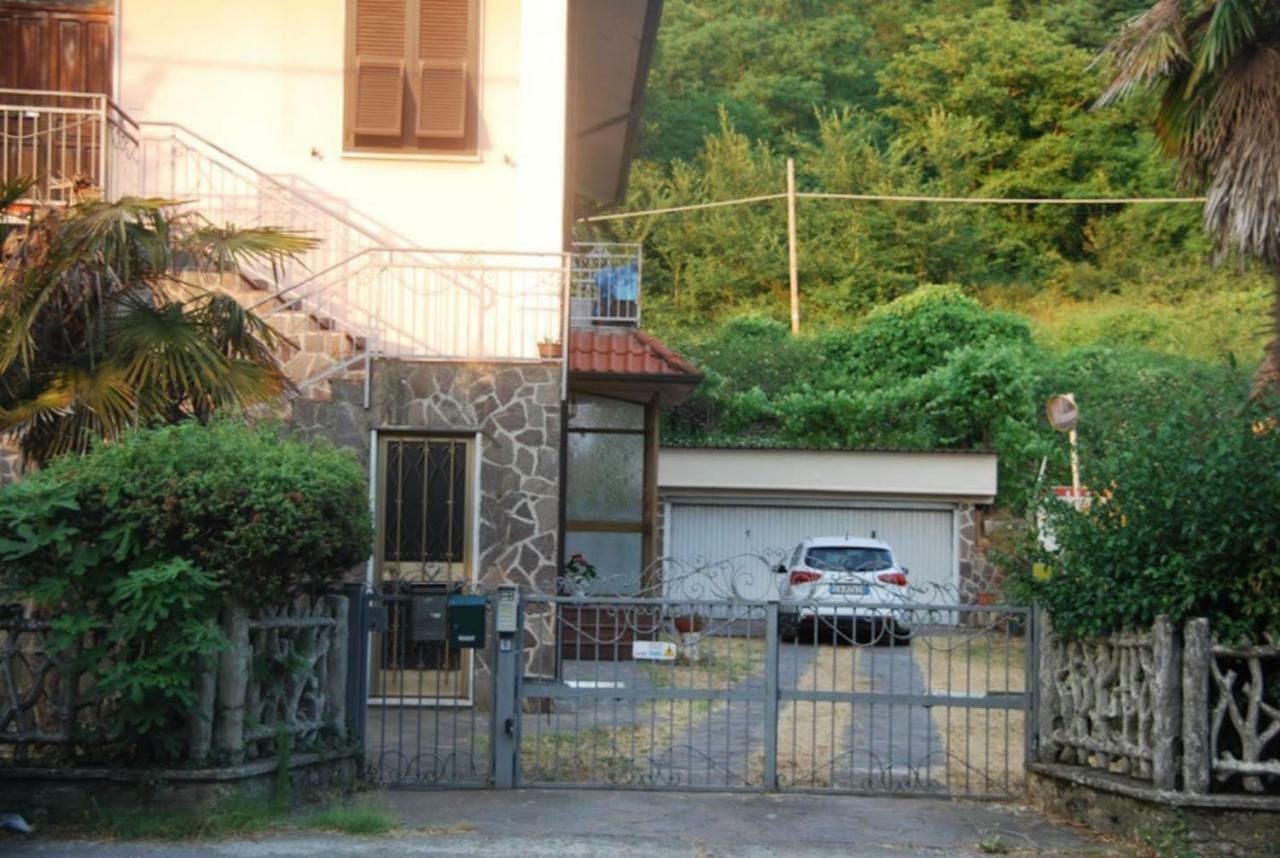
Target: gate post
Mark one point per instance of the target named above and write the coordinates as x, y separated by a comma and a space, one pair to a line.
771, 696
508, 623
357, 689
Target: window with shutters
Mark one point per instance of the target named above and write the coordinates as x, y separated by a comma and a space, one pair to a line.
411, 76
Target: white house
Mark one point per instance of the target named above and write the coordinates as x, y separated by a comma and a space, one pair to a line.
485, 368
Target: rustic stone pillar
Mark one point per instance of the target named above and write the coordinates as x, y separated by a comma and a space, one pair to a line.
1197, 649
233, 682
336, 667
200, 721
1048, 705
1166, 693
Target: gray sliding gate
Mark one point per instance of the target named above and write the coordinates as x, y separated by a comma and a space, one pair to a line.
918, 696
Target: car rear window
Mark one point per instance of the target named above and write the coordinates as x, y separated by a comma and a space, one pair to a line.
844, 558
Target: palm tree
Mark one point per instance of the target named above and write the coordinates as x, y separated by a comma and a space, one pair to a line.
100, 329
1215, 68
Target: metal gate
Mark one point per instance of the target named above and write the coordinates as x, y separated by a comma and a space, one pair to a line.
921, 694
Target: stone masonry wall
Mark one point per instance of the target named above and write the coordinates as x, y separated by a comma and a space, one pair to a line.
515, 409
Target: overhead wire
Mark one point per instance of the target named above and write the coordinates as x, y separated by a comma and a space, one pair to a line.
902, 198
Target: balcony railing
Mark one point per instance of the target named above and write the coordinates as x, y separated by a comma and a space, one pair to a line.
68, 144
605, 284
412, 303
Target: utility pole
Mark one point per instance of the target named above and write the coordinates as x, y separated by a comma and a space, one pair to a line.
791, 245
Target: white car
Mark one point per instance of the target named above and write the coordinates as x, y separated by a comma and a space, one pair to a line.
844, 582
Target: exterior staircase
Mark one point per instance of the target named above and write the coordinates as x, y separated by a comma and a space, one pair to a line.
357, 293
317, 352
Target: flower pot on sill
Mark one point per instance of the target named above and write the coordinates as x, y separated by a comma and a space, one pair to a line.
550, 350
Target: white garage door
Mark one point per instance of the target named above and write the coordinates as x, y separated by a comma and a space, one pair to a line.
700, 533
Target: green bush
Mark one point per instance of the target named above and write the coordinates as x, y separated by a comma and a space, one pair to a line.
271, 518
132, 550
1186, 525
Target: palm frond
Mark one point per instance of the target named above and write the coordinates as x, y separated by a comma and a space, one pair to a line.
1231, 25
226, 248
1149, 48
76, 406
12, 191
165, 349
235, 331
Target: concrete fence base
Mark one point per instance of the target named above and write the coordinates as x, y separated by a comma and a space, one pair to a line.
1241, 826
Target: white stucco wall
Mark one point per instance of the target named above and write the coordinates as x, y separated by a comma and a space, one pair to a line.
263, 79
958, 476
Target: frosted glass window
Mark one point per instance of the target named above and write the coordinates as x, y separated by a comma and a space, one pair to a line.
596, 412
606, 477
617, 558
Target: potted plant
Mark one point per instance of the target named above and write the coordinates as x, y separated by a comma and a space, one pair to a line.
577, 573
689, 624
550, 348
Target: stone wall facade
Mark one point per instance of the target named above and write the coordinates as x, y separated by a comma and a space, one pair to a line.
514, 412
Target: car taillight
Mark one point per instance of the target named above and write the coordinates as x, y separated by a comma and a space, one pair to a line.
799, 577
895, 578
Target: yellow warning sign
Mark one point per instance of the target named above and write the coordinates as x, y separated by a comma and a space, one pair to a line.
654, 650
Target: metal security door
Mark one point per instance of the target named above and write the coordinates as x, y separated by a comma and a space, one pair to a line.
424, 555
428, 720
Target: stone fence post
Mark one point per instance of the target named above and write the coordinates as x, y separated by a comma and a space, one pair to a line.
1048, 705
1166, 693
1197, 649
336, 662
233, 676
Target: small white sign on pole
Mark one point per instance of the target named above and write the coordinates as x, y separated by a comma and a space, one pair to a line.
653, 650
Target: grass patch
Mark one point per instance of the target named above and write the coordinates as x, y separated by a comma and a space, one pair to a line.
364, 818
231, 818
237, 817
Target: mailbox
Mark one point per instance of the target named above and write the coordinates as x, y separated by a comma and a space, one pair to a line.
466, 622
427, 614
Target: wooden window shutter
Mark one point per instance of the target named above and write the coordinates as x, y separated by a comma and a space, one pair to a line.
381, 27
446, 47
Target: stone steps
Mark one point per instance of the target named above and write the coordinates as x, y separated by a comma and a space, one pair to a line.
314, 345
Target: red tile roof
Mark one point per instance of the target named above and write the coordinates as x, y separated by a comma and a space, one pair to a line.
624, 351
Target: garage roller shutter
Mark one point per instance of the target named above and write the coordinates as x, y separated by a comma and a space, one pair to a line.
922, 539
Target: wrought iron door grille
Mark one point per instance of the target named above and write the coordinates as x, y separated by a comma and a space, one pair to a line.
424, 509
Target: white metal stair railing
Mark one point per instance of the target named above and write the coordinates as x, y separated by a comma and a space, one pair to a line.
439, 304
404, 302
395, 301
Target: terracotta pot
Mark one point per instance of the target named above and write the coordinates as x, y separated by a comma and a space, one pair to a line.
550, 350
689, 625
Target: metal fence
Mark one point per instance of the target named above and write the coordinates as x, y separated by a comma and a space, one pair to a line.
918, 696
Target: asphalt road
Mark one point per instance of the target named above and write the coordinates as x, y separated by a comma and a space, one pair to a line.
572, 823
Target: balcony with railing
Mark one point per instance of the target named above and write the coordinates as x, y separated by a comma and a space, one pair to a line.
398, 302
605, 284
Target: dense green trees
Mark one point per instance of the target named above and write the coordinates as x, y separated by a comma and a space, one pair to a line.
961, 98
935, 370
1126, 306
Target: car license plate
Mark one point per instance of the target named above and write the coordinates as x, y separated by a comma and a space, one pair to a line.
849, 589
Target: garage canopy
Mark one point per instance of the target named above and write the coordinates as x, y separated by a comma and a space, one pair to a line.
945, 476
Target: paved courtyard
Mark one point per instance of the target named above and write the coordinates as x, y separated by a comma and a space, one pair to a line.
573, 823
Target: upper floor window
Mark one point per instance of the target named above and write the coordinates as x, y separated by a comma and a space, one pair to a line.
411, 74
